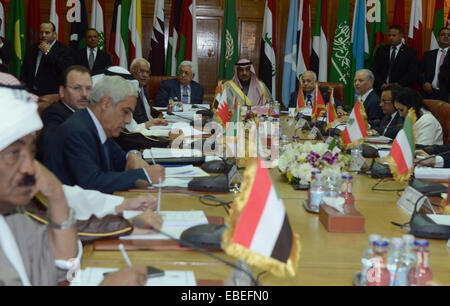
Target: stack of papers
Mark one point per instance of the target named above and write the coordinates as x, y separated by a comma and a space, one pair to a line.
170, 153
427, 173
185, 171
379, 139
174, 224
94, 276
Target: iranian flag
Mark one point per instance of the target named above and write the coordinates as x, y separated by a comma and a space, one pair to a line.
439, 23
2, 17
97, 21
304, 38
331, 112
267, 62
401, 157
135, 30
416, 27
356, 129
156, 58
259, 231
56, 16
319, 56
119, 41
174, 30
318, 104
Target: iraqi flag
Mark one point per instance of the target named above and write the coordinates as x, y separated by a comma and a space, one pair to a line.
319, 55
97, 21
156, 58
318, 104
356, 128
267, 64
331, 112
416, 27
135, 30
401, 157
259, 231
56, 16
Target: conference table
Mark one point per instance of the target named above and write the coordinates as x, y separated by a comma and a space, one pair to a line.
325, 258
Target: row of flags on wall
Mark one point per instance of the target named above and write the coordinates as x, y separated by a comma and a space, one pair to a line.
353, 47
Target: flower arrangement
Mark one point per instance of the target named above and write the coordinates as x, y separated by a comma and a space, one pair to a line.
298, 161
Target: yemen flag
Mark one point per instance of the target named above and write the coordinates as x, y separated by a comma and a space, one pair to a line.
378, 30
416, 27
319, 56
439, 23
135, 31
174, 30
97, 21
33, 22
267, 61
156, 58
304, 38
259, 231
331, 112
318, 104
401, 157
16, 34
356, 129
229, 54
56, 16
79, 28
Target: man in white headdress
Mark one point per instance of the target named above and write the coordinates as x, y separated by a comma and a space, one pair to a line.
245, 86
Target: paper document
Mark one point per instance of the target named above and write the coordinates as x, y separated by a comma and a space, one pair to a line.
174, 224
440, 219
170, 153
427, 173
181, 182
185, 171
379, 139
94, 276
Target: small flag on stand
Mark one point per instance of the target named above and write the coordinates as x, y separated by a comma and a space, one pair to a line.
401, 157
259, 231
318, 104
356, 129
221, 112
300, 98
331, 112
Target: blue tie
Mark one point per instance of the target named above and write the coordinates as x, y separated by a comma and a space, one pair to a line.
106, 150
185, 95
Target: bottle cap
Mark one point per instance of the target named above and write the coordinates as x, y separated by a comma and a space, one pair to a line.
381, 243
346, 176
421, 243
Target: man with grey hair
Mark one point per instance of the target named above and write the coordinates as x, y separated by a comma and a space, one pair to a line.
184, 88
363, 84
83, 152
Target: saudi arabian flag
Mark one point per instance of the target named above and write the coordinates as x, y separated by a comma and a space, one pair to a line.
16, 34
401, 157
229, 54
439, 23
341, 58
378, 30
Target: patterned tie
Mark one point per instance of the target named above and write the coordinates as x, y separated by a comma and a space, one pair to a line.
91, 59
185, 95
444, 53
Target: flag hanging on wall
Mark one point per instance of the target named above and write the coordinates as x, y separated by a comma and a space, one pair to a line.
2, 17
267, 61
157, 57
399, 14
378, 30
304, 38
16, 35
259, 231
187, 41
290, 55
135, 30
78, 29
56, 16
174, 30
97, 21
416, 27
319, 55
119, 38
33, 22
439, 23
229, 53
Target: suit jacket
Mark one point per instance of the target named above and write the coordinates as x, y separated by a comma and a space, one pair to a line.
171, 89
404, 71
373, 109
139, 114
50, 71
5, 55
52, 117
77, 157
102, 60
427, 74
444, 79
394, 126
325, 94
446, 160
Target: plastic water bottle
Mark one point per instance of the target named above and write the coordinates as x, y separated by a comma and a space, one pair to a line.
347, 185
367, 258
276, 107
378, 274
317, 191
334, 186
408, 261
394, 259
421, 274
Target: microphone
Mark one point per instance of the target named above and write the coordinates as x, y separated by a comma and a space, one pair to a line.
142, 224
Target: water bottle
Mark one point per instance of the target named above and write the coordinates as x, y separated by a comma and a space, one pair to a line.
378, 274
317, 191
367, 258
407, 262
334, 186
347, 185
355, 153
394, 259
276, 108
239, 277
421, 274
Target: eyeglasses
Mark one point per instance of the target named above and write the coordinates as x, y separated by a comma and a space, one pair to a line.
80, 89
386, 101
142, 71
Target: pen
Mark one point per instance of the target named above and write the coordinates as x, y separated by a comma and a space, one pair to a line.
159, 196
125, 255
151, 155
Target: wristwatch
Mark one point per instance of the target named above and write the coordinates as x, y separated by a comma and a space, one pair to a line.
66, 224
136, 152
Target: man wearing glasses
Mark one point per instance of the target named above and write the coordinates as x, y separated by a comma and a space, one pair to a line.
74, 95
184, 88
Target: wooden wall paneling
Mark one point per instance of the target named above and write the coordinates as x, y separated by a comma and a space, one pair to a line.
250, 40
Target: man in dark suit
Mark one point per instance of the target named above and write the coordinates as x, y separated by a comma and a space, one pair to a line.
309, 80
184, 88
92, 57
74, 95
392, 122
430, 67
444, 79
363, 84
395, 63
144, 112
45, 62
83, 152
5, 52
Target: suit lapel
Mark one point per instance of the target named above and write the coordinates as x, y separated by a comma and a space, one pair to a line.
91, 126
